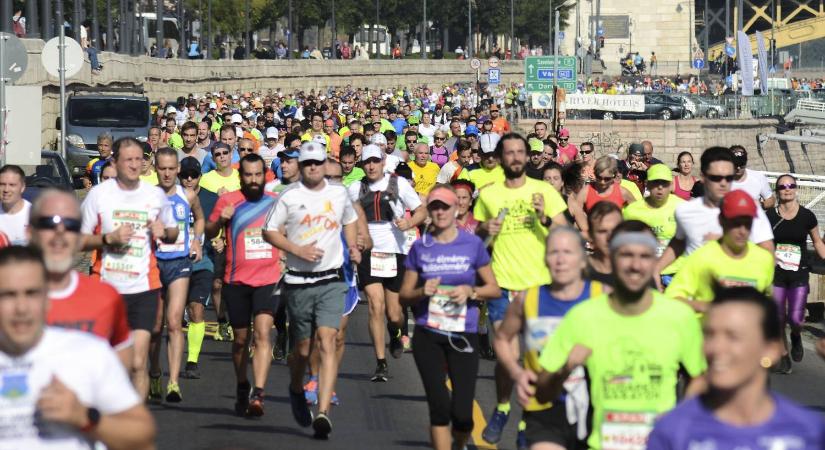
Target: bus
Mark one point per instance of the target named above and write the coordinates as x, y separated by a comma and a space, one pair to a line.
379, 34
148, 28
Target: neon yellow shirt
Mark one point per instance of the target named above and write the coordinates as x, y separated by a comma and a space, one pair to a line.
633, 364
663, 222
214, 181
152, 178
356, 175
710, 265
518, 250
424, 177
309, 134
633, 189
482, 177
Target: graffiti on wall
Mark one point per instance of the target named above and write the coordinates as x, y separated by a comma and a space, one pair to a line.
605, 142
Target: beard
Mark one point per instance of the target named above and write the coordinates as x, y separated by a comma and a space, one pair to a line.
627, 295
511, 172
54, 265
252, 191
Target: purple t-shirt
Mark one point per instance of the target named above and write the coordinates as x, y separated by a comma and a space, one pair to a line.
456, 263
692, 426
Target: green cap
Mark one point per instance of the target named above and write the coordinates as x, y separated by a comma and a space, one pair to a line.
659, 172
413, 120
536, 145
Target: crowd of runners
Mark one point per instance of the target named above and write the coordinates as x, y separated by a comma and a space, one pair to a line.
629, 303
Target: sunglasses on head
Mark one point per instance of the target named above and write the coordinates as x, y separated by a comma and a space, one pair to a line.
51, 223
783, 187
719, 178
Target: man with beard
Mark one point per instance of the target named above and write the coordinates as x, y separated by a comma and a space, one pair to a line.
250, 278
631, 342
515, 215
78, 301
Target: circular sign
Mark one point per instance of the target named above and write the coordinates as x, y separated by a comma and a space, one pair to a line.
475, 63
15, 58
698, 63
73, 57
730, 51
493, 62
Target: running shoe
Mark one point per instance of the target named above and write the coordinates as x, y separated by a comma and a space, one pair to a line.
279, 349
521, 441
322, 426
224, 332
191, 371
797, 352
396, 347
300, 409
242, 398
492, 432
256, 403
406, 343
155, 388
311, 391
382, 372
173, 394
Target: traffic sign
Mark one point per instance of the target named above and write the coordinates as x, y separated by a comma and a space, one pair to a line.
493, 62
475, 63
539, 72
729, 50
699, 63
561, 35
494, 75
15, 59
73, 60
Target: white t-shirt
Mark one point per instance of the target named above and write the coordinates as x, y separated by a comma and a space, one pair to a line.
307, 216
695, 220
755, 184
269, 154
427, 131
390, 163
86, 364
131, 269
14, 225
447, 171
386, 237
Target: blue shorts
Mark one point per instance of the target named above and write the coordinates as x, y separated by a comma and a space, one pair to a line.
172, 269
496, 309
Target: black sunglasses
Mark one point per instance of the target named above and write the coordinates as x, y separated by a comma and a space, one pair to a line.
782, 187
719, 178
190, 175
51, 223
220, 153
245, 149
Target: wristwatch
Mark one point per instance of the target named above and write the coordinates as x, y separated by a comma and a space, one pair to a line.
93, 416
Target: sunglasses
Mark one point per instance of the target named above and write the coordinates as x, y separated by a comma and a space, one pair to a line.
220, 153
244, 149
586, 152
439, 138
190, 176
719, 178
783, 187
51, 223
605, 179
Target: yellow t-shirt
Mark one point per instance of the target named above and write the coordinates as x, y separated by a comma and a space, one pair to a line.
424, 177
663, 222
309, 134
518, 250
214, 181
152, 178
710, 266
634, 190
482, 177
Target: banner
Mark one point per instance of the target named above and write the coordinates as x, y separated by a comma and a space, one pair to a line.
745, 62
762, 57
599, 102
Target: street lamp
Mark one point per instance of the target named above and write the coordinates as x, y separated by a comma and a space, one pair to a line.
470, 28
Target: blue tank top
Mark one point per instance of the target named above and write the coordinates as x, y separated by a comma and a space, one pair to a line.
181, 211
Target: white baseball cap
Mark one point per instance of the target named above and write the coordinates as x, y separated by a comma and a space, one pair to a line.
312, 151
487, 142
378, 139
213, 105
320, 140
272, 133
171, 110
371, 151
236, 118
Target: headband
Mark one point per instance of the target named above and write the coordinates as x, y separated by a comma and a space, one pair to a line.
634, 237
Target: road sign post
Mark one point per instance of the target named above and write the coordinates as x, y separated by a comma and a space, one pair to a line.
13, 63
541, 71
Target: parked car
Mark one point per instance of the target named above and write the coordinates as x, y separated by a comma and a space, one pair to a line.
89, 115
52, 172
657, 106
703, 107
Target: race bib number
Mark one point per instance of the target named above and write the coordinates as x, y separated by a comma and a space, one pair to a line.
123, 264
539, 329
180, 243
626, 430
788, 256
383, 265
445, 314
410, 236
255, 247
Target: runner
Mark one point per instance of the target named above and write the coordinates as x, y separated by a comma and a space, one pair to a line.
249, 279
384, 198
490, 170
535, 315
602, 220
742, 340
61, 388
464, 192
751, 181
515, 215
76, 301
305, 224
451, 170
685, 181
424, 171
122, 219
14, 214
631, 343
175, 267
440, 284
729, 261
605, 187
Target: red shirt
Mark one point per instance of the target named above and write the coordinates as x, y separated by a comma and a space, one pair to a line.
92, 306
249, 259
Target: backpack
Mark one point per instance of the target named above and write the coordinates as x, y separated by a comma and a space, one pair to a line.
439, 156
378, 204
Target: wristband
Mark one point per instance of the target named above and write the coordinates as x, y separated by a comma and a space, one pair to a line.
104, 240
93, 418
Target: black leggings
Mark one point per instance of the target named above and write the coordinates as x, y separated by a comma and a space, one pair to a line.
432, 353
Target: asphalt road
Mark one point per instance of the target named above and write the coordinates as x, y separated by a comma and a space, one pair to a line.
390, 415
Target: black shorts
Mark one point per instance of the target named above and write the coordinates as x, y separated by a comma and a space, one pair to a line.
551, 425
219, 263
142, 309
365, 278
200, 287
244, 302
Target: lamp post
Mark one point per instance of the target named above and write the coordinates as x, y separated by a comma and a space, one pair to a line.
333, 53
470, 29
512, 32
424, 33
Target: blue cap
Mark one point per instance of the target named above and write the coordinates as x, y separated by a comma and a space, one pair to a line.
289, 153
471, 129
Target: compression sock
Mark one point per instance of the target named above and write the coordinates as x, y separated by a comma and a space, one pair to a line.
194, 338
503, 407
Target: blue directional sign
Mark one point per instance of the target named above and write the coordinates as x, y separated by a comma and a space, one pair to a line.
561, 35
494, 75
729, 50
539, 72
699, 63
